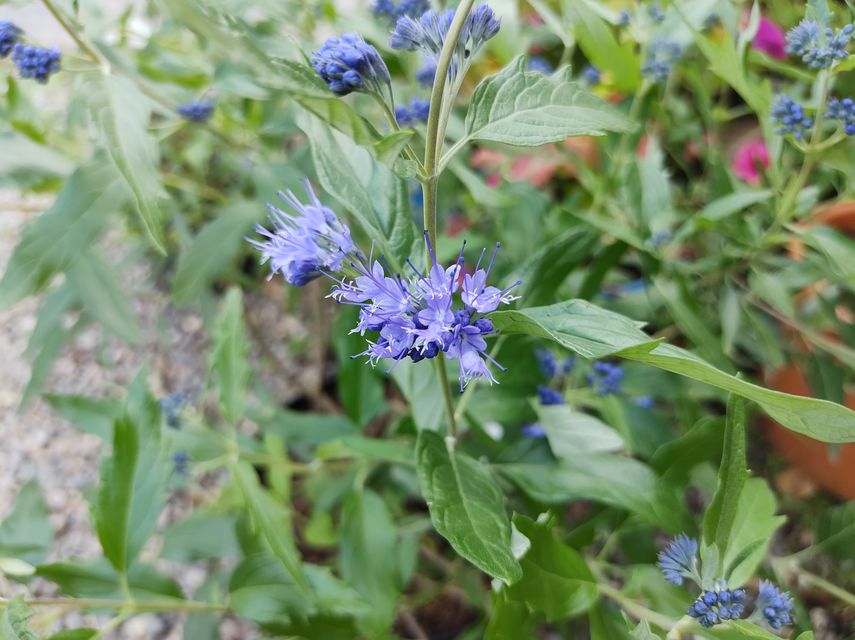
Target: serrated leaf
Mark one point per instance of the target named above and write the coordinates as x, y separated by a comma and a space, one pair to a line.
556, 581
212, 250
526, 108
133, 482
732, 475
596, 333
466, 507
228, 359
121, 113
26, 532
55, 239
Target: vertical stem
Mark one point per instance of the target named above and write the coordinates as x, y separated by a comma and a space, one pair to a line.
433, 146
71, 31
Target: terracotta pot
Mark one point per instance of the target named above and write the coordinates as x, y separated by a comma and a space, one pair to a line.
833, 469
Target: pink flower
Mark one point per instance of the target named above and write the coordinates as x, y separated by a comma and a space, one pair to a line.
770, 39
749, 159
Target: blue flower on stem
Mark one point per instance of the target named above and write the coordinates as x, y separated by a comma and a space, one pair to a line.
790, 117
715, 606
35, 62
774, 605
606, 378
549, 396
198, 111
844, 111
303, 245
661, 56
591, 75
546, 361
817, 47
679, 559
9, 34
349, 64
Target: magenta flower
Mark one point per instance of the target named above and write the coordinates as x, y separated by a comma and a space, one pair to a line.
749, 160
770, 39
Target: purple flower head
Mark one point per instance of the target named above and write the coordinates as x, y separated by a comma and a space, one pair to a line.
9, 34
303, 245
387, 8
349, 64
426, 74
480, 297
549, 396
718, 605
844, 111
775, 605
568, 365
198, 111
606, 378
679, 559
790, 117
817, 47
661, 56
546, 362
35, 62
420, 109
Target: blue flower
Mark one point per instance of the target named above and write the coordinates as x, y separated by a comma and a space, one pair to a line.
569, 363
679, 559
9, 34
790, 117
35, 62
591, 75
304, 245
715, 606
420, 109
384, 8
416, 318
549, 396
546, 361
661, 56
541, 65
170, 406
654, 11
658, 240
179, 461
775, 605
534, 430
819, 48
403, 116
624, 18
427, 33
644, 402
606, 378
427, 73
410, 8
349, 64
843, 110
198, 111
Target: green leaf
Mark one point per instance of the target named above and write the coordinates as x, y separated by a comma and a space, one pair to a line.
261, 591
83, 633
389, 148
420, 386
724, 61
526, 108
510, 620
466, 506
274, 524
368, 553
544, 271
835, 531
596, 333
228, 359
556, 581
121, 113
297, 79
81, 211
98, 579
643, 632
732, 474
571, 433
133, 482
13, 621
88, 415
212, 250
753, 525
745, 629
367, 188
95, 284
360, 388
200, 536
26, 532
339, 114
600, 46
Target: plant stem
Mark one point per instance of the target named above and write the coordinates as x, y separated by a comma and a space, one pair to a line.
830, 588
133, 606
71, 31
635, 609
393, 122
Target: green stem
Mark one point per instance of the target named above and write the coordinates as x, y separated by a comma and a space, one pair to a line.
190, 606
393, 122
71, 31
636, 610
830, 588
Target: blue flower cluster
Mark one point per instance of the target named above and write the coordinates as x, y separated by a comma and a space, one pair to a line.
606, 378
37, 63
9, 34
774, 605
661, 56
715, 606
844, 111
388, 9
417, 112
679, 559
591, 75
817, 47
549, 396
349, 64
197, 111
655, 13
549, 365
427, 34
541, 65
427, 73
790, 117
416, 318
302, 246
